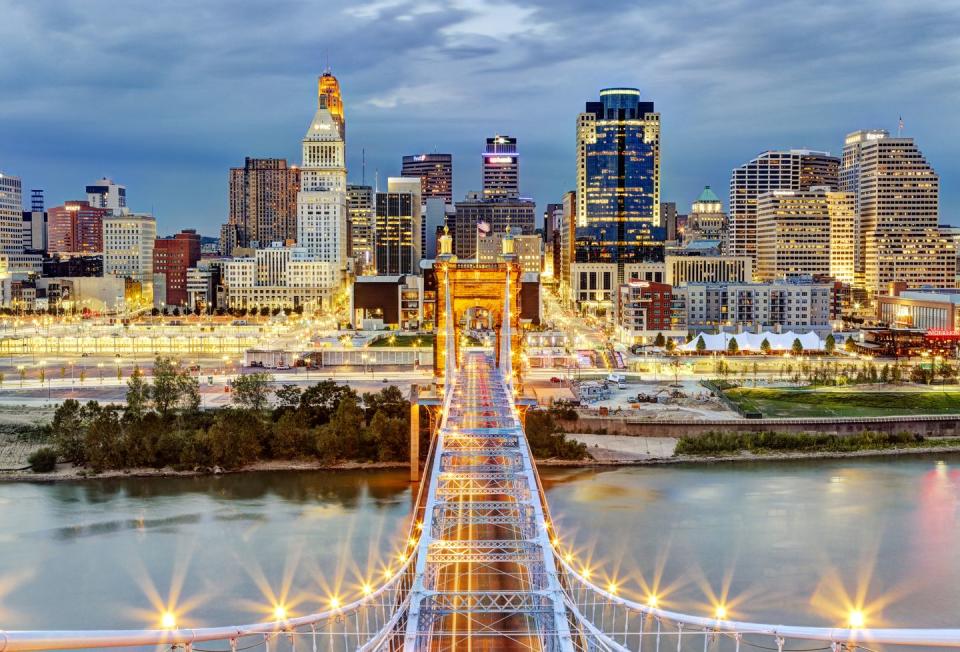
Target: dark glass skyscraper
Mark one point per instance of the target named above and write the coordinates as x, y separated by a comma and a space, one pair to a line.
618, 179
435, 172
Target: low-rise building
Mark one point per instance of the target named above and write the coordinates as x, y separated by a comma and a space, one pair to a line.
644, 310
924, 309
280, 277
387, 302
797, 304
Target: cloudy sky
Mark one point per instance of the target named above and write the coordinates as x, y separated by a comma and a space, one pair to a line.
166, 95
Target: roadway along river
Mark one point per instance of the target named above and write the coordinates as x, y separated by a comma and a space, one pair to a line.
791, 542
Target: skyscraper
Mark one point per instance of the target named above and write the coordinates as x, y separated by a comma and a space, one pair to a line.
322, 200
104, 193
618, 188
435, 172
795, 169
804, 232
501, 168
398, 227
128, 242
618, 176
896, 198
360, 210
35, 223
263, 201
477, 217
76, 228
11, 215
172, 257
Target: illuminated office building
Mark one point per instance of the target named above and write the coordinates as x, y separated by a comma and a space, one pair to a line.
398, 227
322, 200
263, 202
435, 172
706, 220
795, 169
501, 168
896, 198
11, 215
360, 214
618, 192
801, 233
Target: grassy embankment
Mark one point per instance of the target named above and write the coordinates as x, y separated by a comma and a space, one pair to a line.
768, 443
798, 403
404, 340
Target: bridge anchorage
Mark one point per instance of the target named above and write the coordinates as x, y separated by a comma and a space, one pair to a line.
483, 569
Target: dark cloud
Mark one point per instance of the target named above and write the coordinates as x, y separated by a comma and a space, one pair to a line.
166, 95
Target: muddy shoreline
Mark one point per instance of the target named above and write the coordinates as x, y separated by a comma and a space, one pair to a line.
70, 474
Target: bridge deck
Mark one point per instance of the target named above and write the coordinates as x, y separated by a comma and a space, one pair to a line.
484, 554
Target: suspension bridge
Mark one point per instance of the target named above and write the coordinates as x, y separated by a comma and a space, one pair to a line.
483, 568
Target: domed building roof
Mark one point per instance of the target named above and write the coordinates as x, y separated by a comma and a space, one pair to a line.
708, 195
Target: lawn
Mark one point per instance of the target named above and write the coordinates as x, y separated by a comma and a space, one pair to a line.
845, 403
404, 340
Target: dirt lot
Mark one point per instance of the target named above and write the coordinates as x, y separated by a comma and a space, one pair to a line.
15, 446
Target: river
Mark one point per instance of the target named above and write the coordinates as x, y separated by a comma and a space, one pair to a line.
796, 542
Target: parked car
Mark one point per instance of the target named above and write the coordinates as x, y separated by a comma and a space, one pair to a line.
555, 379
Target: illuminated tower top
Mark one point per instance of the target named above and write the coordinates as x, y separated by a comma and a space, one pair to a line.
328, 97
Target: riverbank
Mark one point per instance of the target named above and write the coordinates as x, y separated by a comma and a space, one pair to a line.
68, 473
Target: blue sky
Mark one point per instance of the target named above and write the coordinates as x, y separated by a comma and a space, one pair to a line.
165, 96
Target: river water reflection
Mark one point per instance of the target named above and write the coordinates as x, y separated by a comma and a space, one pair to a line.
797, 542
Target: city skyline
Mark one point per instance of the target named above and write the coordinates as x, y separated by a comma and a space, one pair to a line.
721, 98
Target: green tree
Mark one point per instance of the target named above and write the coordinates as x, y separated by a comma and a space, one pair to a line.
43, 375
68, 429
732, 346
849, 345
797, 347
765, 346
102, 441
659, 340
830, 344
671, 346
348, 424
173, 389
138, 395
547, 441
288, 397
252, 391
389, 437
43, 460
389, 400
701, 345
234, 438
292, 436
321, 400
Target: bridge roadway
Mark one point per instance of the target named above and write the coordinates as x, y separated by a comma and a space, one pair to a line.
484, 555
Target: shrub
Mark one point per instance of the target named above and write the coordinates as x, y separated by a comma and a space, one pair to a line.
43, 460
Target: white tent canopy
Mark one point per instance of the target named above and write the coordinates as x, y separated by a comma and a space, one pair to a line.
751, 341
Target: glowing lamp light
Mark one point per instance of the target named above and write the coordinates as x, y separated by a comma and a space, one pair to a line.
856, 619
720, 612
555, 542
585, 572
568, 557
387, 573
168, 620
367, 589
652, 601
334, 602
280, 612
612, 588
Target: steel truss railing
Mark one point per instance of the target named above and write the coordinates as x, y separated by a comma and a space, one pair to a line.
364, 624
611, 622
